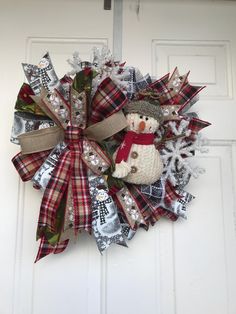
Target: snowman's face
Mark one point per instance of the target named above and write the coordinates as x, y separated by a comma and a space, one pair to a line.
102, 196
141, 124
43, 63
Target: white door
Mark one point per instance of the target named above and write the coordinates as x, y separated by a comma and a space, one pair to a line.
187, 267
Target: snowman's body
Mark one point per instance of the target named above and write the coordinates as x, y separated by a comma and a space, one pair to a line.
143, 164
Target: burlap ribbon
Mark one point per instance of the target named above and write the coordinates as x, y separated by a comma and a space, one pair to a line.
44, 139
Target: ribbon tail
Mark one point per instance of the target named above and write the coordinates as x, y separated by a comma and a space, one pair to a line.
166, 200
177, 204
80, 192
188, 96
132, 207
106, 225
54, 193
160, 85
161, 194
45, 248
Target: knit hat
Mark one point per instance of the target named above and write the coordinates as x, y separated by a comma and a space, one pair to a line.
146, 108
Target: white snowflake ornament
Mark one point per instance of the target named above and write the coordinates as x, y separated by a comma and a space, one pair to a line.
177, 152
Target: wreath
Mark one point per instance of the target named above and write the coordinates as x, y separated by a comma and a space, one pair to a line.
109, 148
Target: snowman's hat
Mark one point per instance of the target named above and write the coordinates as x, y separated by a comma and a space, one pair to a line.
146, 108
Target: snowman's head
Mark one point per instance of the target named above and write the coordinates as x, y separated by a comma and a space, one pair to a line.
43, 63
140, 123
143, 116
101, 195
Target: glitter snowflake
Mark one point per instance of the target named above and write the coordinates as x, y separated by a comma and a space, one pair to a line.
176, 154
75, 63
105, 66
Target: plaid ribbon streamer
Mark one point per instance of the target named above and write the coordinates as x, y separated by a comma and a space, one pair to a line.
45, 248
80, 187
186, 94
166, 213
196, 125
69, 167
107, 100
54, 192
160, 202
148, 206
150, 212
27, 165
161, 85
170, 193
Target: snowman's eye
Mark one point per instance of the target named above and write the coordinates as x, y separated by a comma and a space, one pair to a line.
146, 118
140, 117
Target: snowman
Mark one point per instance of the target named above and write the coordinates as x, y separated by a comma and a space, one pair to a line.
137, 160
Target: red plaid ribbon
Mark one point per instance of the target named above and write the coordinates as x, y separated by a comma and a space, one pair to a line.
161, 85
54, 192
46, 248
170, 194
196, 125
184, 96
169, 197
151, 213
187, 93
107, 100
164, 213
27, 165
80, 187
158, 211
69, 167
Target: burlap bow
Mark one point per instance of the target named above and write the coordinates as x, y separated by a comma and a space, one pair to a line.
82, 153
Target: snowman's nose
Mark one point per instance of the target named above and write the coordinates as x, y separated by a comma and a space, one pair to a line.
141, 126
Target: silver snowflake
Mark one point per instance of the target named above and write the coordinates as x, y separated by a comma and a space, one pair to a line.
104, 64
176, 154
75, 63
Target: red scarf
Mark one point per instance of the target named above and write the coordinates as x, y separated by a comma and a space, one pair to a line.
133, 138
